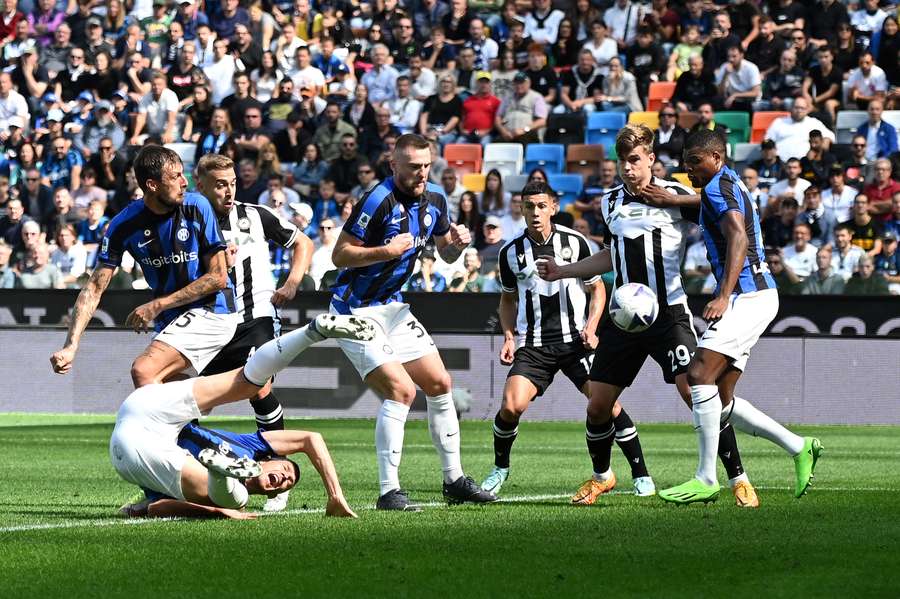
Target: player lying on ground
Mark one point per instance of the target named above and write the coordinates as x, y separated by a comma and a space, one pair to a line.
745, 302
553, 332
155, 446
646, 246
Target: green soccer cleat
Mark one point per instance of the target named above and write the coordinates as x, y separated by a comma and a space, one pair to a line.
805, 464
495, 479
693, 491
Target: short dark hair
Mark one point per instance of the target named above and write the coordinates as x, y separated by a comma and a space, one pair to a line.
707, 141
536, 188
411, 140
150, 163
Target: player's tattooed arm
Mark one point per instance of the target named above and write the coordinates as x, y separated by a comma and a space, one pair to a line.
732, 225
84, 309
350, 252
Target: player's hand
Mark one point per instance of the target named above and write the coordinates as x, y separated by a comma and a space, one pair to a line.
337, 507
547, 269
460, 236
62, 360
141, 317
508, 352
399, 244
231, 255
589, 339
236, 514
285, 294
715, 309
657, 196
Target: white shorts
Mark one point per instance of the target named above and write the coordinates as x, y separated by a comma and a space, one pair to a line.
401, 338
739, 329
144, 444
199, 335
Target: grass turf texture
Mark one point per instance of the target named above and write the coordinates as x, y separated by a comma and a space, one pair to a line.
59, 535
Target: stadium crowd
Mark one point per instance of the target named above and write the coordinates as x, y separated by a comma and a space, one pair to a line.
309, 98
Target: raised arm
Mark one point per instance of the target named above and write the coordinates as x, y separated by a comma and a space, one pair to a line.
593, 265
84, 309
451, 244
349, 252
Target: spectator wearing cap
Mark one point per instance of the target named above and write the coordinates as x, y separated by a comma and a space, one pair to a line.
818, 160
887, 263
581, 85
865, 281
12, 103
824, 280
791, 133
80, 115
404, 109
157, 113
381, 80
95, 42
342, 87
480, 111
106, 163
778, 226
13, 138
301, 215
881, 136
156, 26
520, 116
47, 130
866, 231
190, 18
820, 219
881, 190
62, 167
75, 78
102, 126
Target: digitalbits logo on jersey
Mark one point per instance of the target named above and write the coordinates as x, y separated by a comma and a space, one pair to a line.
633, 307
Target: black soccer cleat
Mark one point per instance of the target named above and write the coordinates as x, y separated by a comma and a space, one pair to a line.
464, 489
396, 500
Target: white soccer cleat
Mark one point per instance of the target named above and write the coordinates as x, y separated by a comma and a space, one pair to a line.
339, 326
644, 487
277, 503
239, 468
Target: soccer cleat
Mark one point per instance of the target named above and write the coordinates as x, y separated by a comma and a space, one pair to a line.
744, 494
464, 489
277, 503
396, 500
693, 491
588, 493
338, 326
644, 487
805, 464
233, 467
495, 479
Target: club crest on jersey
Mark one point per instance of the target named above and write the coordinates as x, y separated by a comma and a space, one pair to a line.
147, 232
428, 219
182, 234
567, 253
243, 224
104, 246
363, 221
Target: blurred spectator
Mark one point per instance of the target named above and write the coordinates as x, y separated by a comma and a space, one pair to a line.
791, 133
404, 109
11, 223
213, 139
718, 51
866, 281
365, 175
778, 227
800, 256
881, 137
679, 59
815, 165
823, 83
249, 185
238, 103
887, 263
254, 137
846, 255
669, 138
493, 242
480, 110
35, 196
157, 113
787, 281
513, 222
439, 54
37, 271
468, 214
70, 256
453, 189
823, 281
542, 76
223, 22
866, 231
428, 14
696, 269
90, 229
603, 47
581, 85
751, 180
63, 212
893, 223
838, 198
820, 219
694, 87
542, 22
9, 278
867, 19
374, 141
623, 19
344, 168
427, 279
860, 170
360, 112
221, 73
881, 189
102, 127
486, 50
620, 90
62, 168
521, 116
89, 191
494, 200
564, 52
696, 14
645, 60
321, 258
423, 81
330, 134
707, 120
381, 80
470, 280
12, 103
806, 52
275, 184
867, 82
443, 112
765, 50
310, 170
792, 186
783, 85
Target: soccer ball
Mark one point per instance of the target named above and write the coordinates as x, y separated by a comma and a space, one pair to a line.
633, 307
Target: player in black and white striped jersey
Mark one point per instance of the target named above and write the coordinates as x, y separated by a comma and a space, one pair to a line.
646, 245
247, 230
553, 333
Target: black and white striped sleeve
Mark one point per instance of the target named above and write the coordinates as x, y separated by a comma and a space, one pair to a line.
277, 228
508, 282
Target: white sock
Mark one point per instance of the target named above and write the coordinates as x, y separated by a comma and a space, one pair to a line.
444, 428
602, 476
278, 354
740, 478
706, 413
748, 419
390, 424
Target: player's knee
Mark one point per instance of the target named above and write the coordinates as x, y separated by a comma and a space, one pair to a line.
404, 393
511, 413
438, 385
599, 412
696, 373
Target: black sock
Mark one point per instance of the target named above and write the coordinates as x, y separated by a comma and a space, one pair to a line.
599, 439
269, 415
728, 452
628, 441
505, 434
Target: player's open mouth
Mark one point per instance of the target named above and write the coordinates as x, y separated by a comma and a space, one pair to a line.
273, 479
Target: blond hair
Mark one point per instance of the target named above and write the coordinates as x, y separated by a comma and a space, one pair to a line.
632, 136
213, 162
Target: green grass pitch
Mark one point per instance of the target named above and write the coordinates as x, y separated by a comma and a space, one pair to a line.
59, 536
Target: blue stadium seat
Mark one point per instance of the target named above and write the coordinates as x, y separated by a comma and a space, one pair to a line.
602, 128
550, 157
567, 186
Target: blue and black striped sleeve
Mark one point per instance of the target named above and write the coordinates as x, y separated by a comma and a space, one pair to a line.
723, 196
366, 221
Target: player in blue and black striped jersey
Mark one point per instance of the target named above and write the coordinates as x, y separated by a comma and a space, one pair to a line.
175, 237
377, 252
744, 304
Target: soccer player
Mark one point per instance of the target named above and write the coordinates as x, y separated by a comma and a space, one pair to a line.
745, 302
646, 246
175, 238
377, 251
155, 446
553, 332
248, 229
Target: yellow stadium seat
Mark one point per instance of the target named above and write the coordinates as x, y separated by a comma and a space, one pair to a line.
474, 182
683, 179
651, 119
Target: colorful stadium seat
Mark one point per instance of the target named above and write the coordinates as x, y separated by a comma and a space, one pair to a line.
584, 159
474, 182
659, 94
683, 179
506, 158
602, 128
567, 187
761, 122
738, 124
848, 121
651, 119
550, 157
465, 158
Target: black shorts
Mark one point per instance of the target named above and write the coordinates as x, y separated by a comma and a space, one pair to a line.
540, 364
247, 337
671, 341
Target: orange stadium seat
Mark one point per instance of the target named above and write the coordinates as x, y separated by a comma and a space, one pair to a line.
465, 158
659, 94
761, 122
